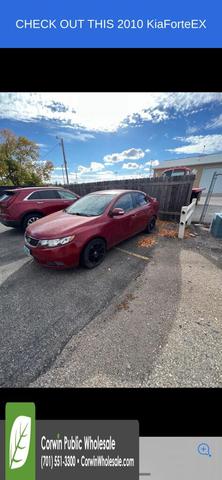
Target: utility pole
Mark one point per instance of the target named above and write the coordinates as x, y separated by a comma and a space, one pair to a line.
63, 174
61, 141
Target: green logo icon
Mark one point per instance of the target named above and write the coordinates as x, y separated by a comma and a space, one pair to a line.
20, 441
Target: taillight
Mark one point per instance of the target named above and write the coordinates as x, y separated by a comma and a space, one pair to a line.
8, 201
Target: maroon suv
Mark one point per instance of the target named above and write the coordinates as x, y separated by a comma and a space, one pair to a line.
22, 206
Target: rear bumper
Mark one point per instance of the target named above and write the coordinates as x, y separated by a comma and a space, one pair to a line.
66, 256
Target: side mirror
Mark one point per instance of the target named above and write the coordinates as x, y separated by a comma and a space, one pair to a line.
116, 212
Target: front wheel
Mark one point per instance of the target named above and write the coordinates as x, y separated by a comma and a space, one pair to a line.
151, 225
29, 219
94, 253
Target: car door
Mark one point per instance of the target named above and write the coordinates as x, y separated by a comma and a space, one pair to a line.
52, 201
120, 227
142, 211
46, 201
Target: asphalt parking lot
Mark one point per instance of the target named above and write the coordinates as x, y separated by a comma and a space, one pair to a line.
140, 319
41, 309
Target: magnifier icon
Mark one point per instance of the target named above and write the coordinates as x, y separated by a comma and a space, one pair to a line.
204, 449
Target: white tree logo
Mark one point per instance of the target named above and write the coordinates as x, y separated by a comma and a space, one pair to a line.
19, 442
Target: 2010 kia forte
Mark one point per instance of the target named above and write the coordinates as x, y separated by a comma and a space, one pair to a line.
83, 232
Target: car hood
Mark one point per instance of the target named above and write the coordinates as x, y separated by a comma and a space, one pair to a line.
57, 225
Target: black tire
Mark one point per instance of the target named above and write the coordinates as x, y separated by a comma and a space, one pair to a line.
94, 253
151, 225
194, 195
29, 219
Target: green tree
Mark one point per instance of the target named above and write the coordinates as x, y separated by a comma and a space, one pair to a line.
19, 161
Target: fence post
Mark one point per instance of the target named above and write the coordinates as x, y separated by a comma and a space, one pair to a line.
186, 217
182, 223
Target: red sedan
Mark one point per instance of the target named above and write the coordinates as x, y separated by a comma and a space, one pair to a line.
84, 231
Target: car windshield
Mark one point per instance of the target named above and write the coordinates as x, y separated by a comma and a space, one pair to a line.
91, 205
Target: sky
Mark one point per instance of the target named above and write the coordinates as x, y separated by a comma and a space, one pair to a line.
114, 135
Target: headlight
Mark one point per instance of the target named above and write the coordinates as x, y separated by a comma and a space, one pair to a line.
56, 242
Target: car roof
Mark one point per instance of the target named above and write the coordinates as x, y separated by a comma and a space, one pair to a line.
177, 168
21, 189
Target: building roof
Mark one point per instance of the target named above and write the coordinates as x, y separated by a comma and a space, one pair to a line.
191, 161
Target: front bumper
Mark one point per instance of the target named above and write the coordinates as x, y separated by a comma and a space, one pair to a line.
66, 256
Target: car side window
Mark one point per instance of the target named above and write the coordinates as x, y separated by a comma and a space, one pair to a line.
34, 196
125, 202
139, 199
67, 195
167, 173
177, 173
44, 195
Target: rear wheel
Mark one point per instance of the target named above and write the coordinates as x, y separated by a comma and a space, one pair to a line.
151, 225
29, 219
94, 253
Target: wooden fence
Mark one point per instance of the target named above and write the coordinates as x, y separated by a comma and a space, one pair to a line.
172, 193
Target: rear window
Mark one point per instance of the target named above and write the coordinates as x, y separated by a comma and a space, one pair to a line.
44, 195
6, 195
